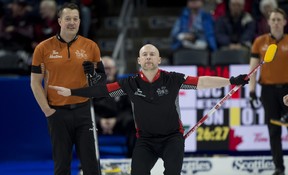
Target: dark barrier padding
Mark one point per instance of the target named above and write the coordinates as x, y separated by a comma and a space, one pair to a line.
23, 128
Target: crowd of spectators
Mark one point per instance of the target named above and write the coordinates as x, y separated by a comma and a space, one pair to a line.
209, 25
228, 25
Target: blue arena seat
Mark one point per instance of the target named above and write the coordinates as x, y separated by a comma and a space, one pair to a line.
228, 57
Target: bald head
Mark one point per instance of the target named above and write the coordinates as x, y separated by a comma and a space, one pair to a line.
48, 9
149, 48
110, 68
108, 61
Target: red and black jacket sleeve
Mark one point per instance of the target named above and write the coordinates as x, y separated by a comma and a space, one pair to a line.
190, 82
99, 90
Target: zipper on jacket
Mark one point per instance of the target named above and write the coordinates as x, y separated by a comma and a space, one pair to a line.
68, 44
68, 47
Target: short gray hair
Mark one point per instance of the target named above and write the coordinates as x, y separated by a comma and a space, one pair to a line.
263, 3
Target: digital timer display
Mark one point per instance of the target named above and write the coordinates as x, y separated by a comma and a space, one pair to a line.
218, 133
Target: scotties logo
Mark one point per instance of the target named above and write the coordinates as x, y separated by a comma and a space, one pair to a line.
253, 165
196, 166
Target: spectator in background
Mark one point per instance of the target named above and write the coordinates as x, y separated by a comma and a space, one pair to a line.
194, 29
114, 115
47, 24
285, 100
219, 9
222, 7
16, 28
236, 29
265, 7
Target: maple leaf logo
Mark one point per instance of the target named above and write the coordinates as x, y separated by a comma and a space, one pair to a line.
234, 141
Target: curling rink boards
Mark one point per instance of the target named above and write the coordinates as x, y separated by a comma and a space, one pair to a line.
258, 165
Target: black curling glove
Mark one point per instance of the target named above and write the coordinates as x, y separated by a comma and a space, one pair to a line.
255, 102
89, 70
239, 80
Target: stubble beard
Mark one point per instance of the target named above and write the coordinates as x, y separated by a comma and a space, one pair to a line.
150, 67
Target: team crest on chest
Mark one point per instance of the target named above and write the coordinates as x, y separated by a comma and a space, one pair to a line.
81, 54
284, 48
162, 91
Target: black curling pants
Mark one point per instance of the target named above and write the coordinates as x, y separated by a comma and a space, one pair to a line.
148, 150
272, 100
72, 125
